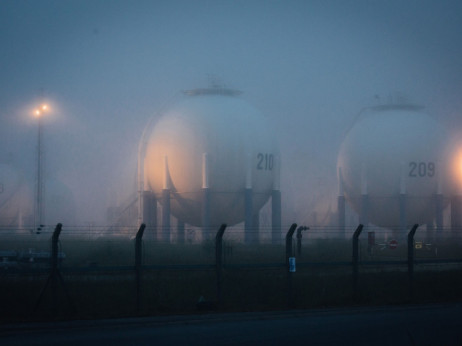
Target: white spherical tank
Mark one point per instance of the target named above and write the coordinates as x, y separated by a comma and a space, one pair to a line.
212, 139
395, 150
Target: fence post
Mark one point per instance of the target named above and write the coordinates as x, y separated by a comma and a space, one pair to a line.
54, 276
289, 254
138, 256
410, 259
356, 260
54, 266
219, 261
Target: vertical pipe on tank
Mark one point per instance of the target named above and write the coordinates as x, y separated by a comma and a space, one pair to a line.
456, 215
402, 201
249, 237
149, 215
439, 212
364, 217
166, 204
205, 212
276, 204
276, 217
141, 197
205, 171
341, 204
165, 236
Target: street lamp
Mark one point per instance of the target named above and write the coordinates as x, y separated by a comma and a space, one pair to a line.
39, 207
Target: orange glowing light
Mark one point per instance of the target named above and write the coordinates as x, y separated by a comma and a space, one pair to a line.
457, 167
44, 108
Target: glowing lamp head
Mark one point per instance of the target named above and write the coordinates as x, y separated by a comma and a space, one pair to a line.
44, 108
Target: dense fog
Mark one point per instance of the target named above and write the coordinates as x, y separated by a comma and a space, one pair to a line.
106, 67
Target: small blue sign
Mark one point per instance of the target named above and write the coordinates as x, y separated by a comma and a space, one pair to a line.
292, 264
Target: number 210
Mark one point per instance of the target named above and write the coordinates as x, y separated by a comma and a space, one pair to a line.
265, 161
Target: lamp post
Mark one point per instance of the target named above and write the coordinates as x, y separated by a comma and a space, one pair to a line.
38, 210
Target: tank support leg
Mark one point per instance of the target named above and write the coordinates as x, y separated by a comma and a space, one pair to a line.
166, 215
205, 213
456, 222
150, 211
439, 212
249, 229
276, 217
341, 215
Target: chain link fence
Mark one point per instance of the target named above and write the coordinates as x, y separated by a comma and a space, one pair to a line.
98, 273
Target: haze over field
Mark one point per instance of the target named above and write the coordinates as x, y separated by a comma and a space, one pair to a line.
105, 67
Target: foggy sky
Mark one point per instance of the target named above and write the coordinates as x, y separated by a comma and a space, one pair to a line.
309, 66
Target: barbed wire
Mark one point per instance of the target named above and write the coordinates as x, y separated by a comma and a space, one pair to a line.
262, 232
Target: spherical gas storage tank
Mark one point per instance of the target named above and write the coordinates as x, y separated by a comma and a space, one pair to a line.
212, 139
395, 150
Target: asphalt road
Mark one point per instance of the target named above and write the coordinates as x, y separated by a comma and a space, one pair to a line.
402, 325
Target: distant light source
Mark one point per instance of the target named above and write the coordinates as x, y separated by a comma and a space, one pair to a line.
42, 109
457, 167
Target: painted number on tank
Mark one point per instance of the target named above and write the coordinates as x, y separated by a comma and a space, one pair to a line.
265, 162
421, 169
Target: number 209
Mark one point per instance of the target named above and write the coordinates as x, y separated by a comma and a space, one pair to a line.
421, 169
